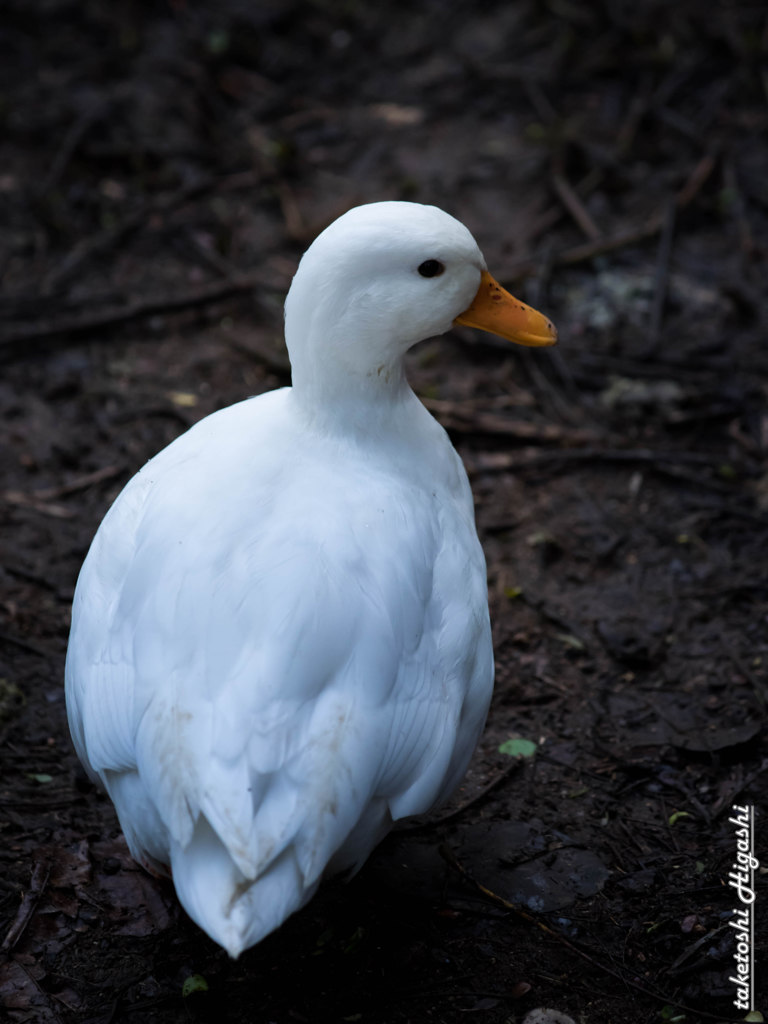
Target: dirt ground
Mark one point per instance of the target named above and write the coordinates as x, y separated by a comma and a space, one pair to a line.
162, 167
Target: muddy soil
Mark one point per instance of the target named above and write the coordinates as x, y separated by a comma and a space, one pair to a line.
162, 167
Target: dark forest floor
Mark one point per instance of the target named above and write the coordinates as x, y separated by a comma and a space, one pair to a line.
162, 167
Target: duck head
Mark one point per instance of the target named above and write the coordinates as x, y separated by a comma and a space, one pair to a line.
380, 279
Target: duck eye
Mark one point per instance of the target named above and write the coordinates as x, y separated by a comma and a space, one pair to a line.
431, 268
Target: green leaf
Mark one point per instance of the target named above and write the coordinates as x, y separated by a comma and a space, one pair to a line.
518, 748
194, 983
40, 777
676, 815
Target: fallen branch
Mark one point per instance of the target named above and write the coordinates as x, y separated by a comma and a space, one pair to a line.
456, 812
80, 483
27, 906
457, 418
136, 310
575, 207
661, 463
43, 500
25, 645
632, 236
500, 462
48, 508
163, 204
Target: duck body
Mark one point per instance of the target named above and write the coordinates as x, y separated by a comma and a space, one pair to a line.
325, 667
280, 637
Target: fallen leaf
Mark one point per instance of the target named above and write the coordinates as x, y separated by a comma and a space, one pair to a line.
518, 747
194, 983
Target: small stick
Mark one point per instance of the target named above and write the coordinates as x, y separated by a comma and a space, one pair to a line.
110, 237
449, 856
640, 233
24, 645
80, 483
139, 308
27, 906
575, 207
496, 781
508, 460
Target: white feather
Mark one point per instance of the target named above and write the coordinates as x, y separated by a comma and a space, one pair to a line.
280, 639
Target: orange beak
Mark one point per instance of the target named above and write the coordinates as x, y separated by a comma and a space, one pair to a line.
494, 310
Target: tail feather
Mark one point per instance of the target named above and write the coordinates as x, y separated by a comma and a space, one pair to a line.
235, 911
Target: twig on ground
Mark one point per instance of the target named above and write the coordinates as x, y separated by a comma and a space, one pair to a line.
600, 965
495, 782
48, 508
641, 233
43, 500
25, 645
660, 462
102, 241
87, 322
500, 461
575, 207
80, 483
27, 906
454, 417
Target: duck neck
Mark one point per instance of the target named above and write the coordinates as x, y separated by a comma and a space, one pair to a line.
371, 403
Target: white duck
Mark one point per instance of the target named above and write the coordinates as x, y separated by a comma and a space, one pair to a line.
280, 638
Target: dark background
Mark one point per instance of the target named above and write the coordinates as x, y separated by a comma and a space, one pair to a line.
162, 167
